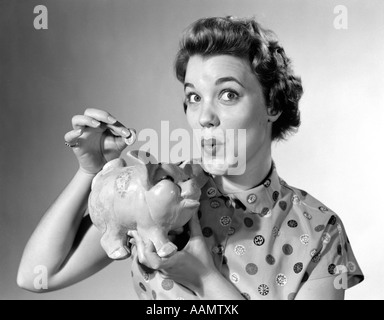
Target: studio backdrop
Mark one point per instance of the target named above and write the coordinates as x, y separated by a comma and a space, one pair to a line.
58, 58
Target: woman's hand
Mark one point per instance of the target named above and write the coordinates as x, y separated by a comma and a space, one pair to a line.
97, 137
189, 267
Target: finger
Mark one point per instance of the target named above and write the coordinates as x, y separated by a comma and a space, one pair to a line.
138, 242
119, 129
146, 251
100, 115
194, 226
72, 136
80, 121
133, 235
116, 127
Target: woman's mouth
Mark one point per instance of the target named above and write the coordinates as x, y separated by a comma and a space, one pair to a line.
210, 146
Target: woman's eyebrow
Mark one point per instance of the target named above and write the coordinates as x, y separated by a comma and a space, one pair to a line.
228, 79
217, 82
188, 85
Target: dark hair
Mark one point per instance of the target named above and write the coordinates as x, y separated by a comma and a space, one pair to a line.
245, 38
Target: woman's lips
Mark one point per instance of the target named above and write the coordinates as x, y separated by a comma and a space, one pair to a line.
211, 146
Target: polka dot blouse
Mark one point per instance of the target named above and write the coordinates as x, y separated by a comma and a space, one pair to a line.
267, 241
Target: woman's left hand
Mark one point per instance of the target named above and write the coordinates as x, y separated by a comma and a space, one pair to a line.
189, 267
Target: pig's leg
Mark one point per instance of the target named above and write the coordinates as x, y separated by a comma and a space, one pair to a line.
114, 242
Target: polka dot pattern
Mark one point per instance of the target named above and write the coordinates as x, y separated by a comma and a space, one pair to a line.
235, 278
298, 267
231, 231
287, 249
267, 183
263, 289
211, 192
266, 241
167, 284
142, 286
225, 221
251, 269
259, 240
283, 205
240, 250
295, 199
275, 231
304, 239
292, 223
281, 279
248, 222
270, 259
275, 196
215, 204
207, 232
307, 215
332, 269
252, 198
265, 212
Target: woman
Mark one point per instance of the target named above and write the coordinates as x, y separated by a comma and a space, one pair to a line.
257, 237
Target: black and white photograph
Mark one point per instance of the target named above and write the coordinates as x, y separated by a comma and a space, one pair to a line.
191, 150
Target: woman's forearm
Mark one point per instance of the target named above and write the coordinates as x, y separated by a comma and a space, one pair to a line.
216, 287
53, 238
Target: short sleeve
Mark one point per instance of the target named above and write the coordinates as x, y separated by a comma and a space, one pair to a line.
334, 257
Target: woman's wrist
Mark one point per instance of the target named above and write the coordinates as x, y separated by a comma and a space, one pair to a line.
86, 174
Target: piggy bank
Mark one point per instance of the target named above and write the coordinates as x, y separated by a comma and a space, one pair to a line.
150, 198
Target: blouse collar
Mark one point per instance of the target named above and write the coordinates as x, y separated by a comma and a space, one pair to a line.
260, 199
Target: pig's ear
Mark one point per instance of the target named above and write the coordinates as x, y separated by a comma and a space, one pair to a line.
141, 157
146, 166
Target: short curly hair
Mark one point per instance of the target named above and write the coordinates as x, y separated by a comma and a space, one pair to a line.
245, 38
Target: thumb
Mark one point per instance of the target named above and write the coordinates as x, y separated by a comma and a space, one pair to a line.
194, 226
120, 143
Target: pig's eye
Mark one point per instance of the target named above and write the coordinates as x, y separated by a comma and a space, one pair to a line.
167, 178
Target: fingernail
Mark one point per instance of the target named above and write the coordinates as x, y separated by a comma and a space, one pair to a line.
95, 122
167, 250
126, 132
111, 119
79, 131
118, 254
131, 140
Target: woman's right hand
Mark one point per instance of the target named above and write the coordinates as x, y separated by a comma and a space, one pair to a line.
97, 137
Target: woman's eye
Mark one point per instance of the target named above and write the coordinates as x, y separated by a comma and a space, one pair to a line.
167, 178
229, 96
193, 98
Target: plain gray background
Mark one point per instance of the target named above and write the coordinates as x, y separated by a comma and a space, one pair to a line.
118, 55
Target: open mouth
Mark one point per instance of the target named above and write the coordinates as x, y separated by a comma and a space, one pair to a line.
210, 146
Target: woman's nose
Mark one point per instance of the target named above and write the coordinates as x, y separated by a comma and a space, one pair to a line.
208, 116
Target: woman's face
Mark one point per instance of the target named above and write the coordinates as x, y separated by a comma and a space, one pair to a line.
223, 95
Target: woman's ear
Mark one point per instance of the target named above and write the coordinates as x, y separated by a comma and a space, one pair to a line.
273, 114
